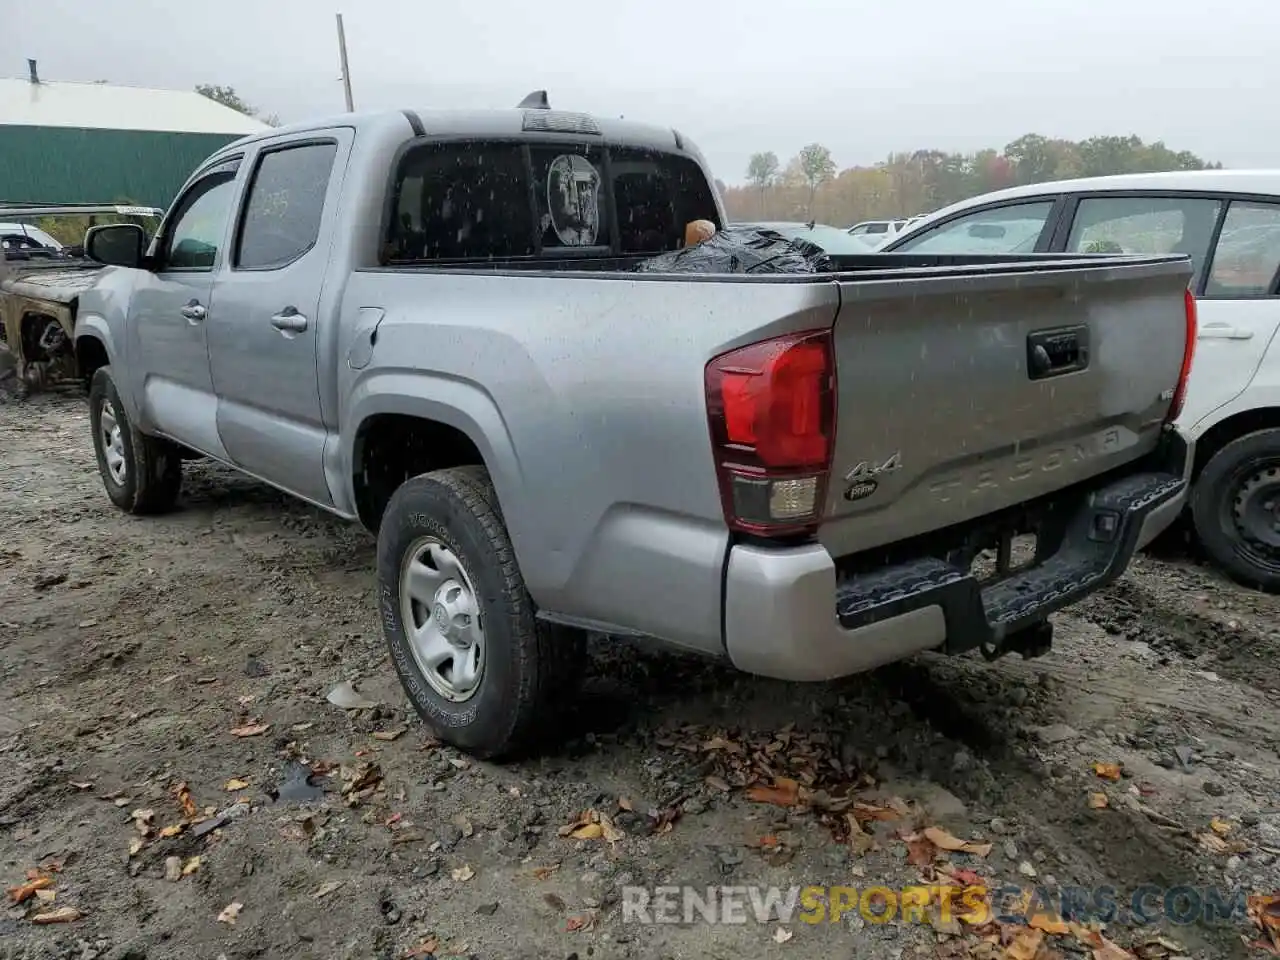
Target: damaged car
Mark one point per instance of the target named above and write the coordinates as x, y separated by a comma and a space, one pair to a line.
41, 281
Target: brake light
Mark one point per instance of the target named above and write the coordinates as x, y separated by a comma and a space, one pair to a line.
771, 407
1188, 356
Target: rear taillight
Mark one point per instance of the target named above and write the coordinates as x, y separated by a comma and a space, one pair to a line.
1188, 355
771, 406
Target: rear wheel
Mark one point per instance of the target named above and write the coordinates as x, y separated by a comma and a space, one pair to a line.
141, 474
479, 667
1236, 509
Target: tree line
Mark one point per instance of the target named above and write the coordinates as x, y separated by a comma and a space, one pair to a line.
810, 187
228, 97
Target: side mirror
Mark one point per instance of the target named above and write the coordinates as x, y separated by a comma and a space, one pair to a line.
116, 244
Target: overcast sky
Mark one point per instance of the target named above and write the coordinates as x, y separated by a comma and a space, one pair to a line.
862, 77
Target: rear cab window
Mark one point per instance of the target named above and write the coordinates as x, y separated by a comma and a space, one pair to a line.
491, 200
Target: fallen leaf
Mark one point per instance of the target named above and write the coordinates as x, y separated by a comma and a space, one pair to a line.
541, 873
1025, 945
962, 876
945, 841
121, 801
81, 784
229, 913
23, 893
610, 833
426, 948
61, 915
463, 873
1212, 843
720, 743
869, 811
584, 922
588, 831
1264, 911
250, 730
718, 783
185, 801
1098, 801
135, 846
920, 850
363, 777
46, 896
1106, 950
624, 803
172, 831
326, 888
860, 841
191, 866
235, 783
302, 727
388, 735
782, 935
663, 821
785, 792
1108, 771
1049, 925
1221, 827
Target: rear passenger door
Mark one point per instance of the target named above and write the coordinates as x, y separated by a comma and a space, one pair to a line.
1239, 309
272, 308
1234, 245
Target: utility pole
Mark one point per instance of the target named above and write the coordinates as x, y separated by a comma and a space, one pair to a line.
346, 73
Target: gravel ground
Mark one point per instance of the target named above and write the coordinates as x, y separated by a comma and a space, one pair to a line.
163, 704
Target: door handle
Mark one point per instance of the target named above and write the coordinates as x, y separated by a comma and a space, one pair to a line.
1221, 331
289, 320
194, 312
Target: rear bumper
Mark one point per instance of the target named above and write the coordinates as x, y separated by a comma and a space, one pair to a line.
794, 614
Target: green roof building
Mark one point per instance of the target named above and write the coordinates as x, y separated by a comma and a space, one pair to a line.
72, 142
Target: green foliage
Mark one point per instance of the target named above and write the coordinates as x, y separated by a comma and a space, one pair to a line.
762, 169
69, 230
228, 97
906, 184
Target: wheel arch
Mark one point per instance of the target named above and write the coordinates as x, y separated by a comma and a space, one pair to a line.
1230, 428
404, 429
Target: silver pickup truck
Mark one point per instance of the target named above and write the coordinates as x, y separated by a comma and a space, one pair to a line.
434, 323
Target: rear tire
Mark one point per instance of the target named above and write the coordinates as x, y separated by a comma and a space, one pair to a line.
480, 669
1236, 509
141, 474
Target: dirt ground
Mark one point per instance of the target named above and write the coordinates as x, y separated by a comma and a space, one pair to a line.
132, 653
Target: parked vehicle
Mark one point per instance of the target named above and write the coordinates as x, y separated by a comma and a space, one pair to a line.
19, 238
1228, 222
876, 233
41, 280
438, 324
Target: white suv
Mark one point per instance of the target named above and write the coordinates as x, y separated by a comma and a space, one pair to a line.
1228, 222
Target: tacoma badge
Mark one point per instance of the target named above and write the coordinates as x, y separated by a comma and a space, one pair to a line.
861, 481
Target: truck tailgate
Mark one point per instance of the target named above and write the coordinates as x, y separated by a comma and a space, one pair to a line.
962, 391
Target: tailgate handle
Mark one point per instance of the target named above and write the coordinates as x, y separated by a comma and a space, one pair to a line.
1052, 353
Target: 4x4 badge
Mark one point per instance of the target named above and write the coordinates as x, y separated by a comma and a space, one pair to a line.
861, 481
